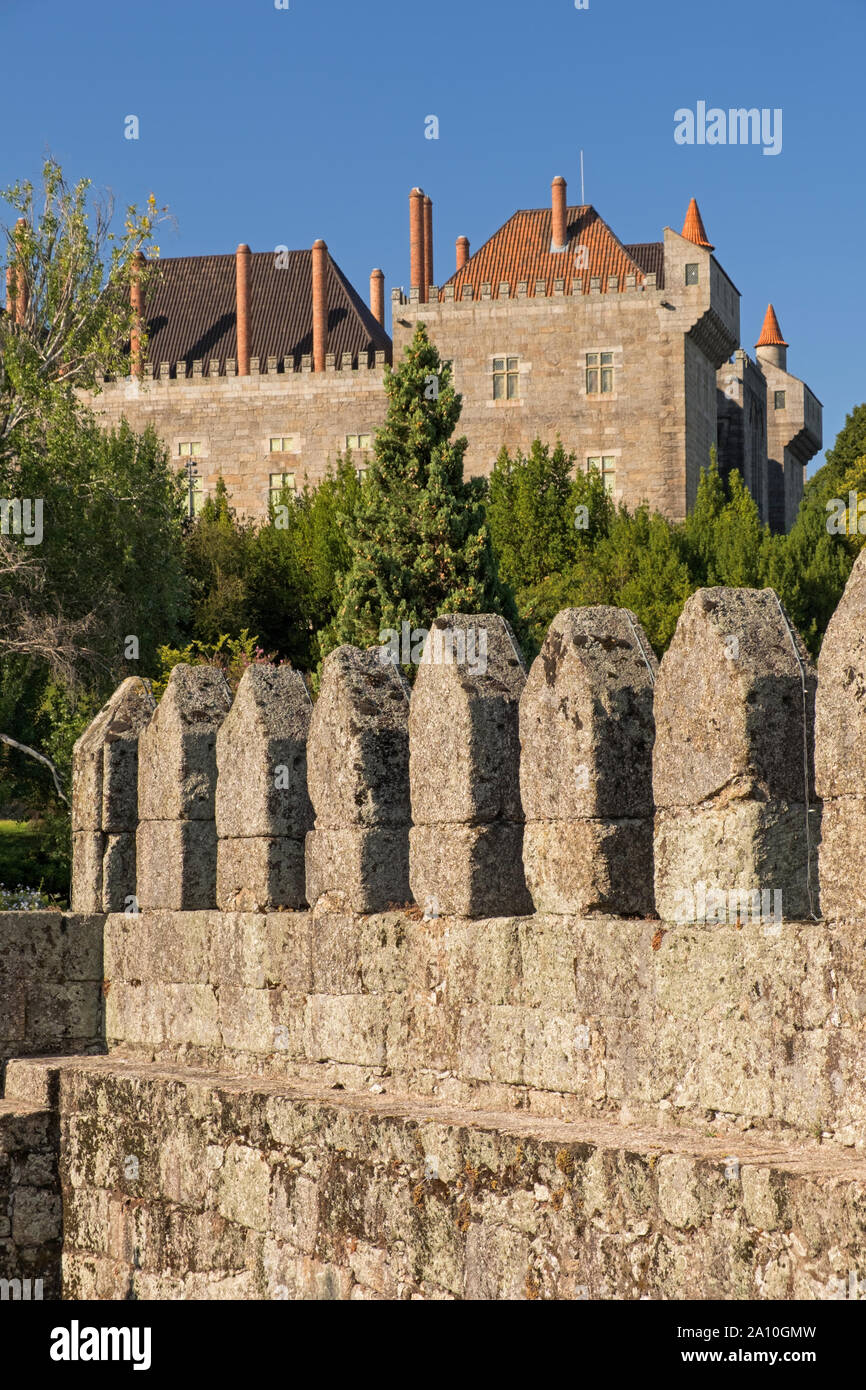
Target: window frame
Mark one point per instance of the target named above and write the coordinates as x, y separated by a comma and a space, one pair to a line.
508, 375
600, 367
607, 473
275, 493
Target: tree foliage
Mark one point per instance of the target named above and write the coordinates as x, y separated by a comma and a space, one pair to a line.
419, 539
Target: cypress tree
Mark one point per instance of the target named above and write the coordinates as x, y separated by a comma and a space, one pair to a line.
419, 540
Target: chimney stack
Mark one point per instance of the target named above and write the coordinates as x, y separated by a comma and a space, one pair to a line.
377, 295
428, 246
462, 251
559, 199
320, 305
416, 242
136, 299
242, 278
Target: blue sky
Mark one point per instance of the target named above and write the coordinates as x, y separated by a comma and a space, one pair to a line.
277, 126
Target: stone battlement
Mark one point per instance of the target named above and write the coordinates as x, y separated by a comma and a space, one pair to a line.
514, 984
203, 369
563, 287
597, 782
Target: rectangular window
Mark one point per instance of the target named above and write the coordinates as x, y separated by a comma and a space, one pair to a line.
196, 497
692, 272
599, 373
361, 473
506, 378
779, 400
605, 464
358, 443
279, 482
189, 447
607, 371
283, 444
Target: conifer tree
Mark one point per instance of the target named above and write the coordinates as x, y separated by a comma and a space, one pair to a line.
419, 541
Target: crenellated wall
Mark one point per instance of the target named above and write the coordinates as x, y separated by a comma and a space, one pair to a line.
599, 783
511, 985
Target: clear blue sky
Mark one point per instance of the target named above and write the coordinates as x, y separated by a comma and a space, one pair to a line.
279, 126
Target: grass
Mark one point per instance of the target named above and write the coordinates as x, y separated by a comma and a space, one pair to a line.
24, 858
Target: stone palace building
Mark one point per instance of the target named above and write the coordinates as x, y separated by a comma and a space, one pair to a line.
263, 367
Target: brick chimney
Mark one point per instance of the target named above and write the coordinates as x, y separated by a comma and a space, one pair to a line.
377, 295
428, 245
558, 199
242, 278
136, 299
462, 251
416, 242
320, 305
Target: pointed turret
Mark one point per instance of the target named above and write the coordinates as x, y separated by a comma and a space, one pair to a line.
771, 346
693, 227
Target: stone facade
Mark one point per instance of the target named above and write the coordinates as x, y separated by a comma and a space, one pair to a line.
670, 333
234, 418
350, 1102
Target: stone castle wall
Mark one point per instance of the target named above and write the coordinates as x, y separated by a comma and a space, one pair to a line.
658, 423
597, 1056
234, 418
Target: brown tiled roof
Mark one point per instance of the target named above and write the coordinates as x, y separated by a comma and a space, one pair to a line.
650, 256
693, 227
191, 310
771, 333
520, 250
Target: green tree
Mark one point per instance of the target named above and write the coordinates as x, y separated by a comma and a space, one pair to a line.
420, 544
848, 447
217, 554
636, 563
70, 275
724, 540
530, 513
297, 562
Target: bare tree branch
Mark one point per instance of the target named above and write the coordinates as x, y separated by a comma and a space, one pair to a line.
40, 758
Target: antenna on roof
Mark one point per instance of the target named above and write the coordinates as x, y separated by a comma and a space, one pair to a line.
582, 199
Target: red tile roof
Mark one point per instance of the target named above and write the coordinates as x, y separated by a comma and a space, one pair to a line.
771, 333
520, 251
191, 310
693, 227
